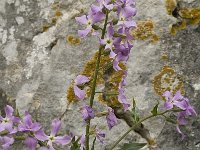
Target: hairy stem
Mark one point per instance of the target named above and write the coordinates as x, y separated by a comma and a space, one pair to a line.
135, 127
87, 138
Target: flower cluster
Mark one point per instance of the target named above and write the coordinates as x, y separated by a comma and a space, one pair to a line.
29, 131
182, 103
115, 40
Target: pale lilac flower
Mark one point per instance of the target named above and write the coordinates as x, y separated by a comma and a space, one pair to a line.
80, 79
109, 41
127, 7
52, 138
5, 142
89, 20
28, 125
172, 101
31, 143
102, 3
100, 135
125, 23
188, 109
87, 112
9, 120
111, 118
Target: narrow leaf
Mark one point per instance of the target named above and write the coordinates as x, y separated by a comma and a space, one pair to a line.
133, 146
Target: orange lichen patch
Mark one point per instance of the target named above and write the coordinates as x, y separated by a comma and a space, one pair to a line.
168, 80
73, 40
58, 13
170, 6
144, 31
165, 57
70, 95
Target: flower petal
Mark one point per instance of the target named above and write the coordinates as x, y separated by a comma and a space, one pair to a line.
31, 143
81, 79
62, 140
80, 94
9, 111
82, 19
55, 126
84, 33
40, 135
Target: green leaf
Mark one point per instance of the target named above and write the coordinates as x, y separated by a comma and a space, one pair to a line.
135, 114
75, 144
133, 146
155, 110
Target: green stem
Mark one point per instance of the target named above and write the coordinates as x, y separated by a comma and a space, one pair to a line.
87, 138
132, 128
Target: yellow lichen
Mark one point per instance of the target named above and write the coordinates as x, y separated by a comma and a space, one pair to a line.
58, 13
165, 57
186, 16
168, 80
170, 6
144, 31
70, 95
73, 40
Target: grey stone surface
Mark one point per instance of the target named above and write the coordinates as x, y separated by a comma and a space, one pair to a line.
36, 67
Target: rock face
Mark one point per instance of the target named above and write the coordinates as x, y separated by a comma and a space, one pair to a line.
38, 65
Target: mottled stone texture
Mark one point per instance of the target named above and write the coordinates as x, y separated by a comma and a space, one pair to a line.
37, 66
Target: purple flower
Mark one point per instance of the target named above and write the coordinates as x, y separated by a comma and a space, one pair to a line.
172, 101
8, 122
109, 40
111, 118
80, 79
89, 20
127, 23
5, 142
87, 112
28, 125
127, 7
102, 3
188, 109
100, 135
52, 138
31, 143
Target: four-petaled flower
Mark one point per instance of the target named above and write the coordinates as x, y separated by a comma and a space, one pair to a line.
89, 20
9, 120
28, 125
52, 138
172, 101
